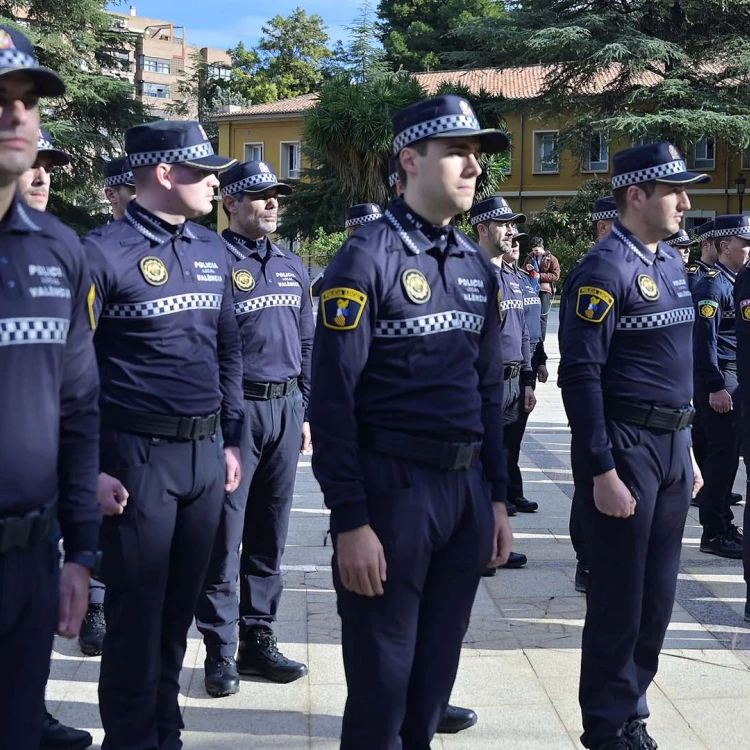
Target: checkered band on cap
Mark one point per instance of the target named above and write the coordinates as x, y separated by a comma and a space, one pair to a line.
497, 214
706, 234
731, 232
170, 156
361, 220
431, 128
677, 240
42, 144
119, 179
650, 173
15, 58
604, 215
247, 182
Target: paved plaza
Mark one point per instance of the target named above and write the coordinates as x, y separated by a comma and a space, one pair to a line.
520, 662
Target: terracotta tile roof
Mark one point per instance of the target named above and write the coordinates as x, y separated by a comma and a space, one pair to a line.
297, 104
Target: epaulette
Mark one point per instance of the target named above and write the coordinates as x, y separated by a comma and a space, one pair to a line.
713, 273
692, 268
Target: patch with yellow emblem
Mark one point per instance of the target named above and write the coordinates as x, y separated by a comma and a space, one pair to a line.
416, 286
648, 288
593, 304
154, 270
342, 308
745, 309
707, 308
243, 280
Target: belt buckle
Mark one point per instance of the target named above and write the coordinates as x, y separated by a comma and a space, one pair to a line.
275, 390
686, 418
464, 456
186, 428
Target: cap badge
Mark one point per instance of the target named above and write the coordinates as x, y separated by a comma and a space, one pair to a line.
466, 108
674, 153
6, 40
263, 167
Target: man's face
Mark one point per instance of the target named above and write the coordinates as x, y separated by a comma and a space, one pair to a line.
119, 197
734, 253
34, 183
684, 254
539, 249
500, 235
447, 173
193, 190
708, 252
257, 214
19, 125
663, 211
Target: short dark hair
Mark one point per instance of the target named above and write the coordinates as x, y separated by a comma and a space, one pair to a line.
619, 194
237, 197
536, 242
421, 148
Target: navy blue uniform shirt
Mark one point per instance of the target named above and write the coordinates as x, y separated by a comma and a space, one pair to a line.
742, 330
49, 399
167, 340
626, 333
714, 337
408, 339
514, 335
532, 305
274, 311
695, 272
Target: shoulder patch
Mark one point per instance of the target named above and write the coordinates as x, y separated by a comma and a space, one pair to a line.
692, 268
745, 309
712, 273
593, 304
707, 308
342, 308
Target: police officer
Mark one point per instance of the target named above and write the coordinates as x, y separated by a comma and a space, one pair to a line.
34, 183
50, 433
119, 185
715, 344
171, 367
697, 269
683, 242
274, 312
407, 392
626, 379
360, 214
603, 217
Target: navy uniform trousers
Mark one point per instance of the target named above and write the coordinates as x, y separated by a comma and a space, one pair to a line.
401, 650
514, 425
154, 560
721, 457
256, 515
29, 585
633, 566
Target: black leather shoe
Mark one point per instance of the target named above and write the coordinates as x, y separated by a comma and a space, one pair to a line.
456, 719
735, 498
582, 579
93, 630
735, 532
56, 736
722, 545
516, 560
258, 655
221, 676
635, 732
510, 508
525, 506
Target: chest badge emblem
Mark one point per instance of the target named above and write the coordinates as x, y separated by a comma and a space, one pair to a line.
745, 307
154, 270
416, 286
648, 288
243, 280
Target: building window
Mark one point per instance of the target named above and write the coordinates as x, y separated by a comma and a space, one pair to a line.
545, 152
155, 65
693, 219
219, 72
704, 154
253, 152
746, 158
597, 157
156, 90
290, 160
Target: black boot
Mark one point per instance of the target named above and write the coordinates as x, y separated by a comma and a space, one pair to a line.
582, 578
722, 545
635, 732
93, 630
258, 655
56, 736
456, 719
221, 676
525, 506
516, 560
735, 498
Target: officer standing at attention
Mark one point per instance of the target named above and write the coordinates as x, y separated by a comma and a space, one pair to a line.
359, 214
50, 426
407, 396
697, 269
274, 312
171, 368
683, 242
119, 185
715, 343
626, 378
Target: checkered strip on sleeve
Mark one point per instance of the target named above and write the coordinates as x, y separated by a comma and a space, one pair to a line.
512, 304
497, 214
15, 58
164, 306
656, 320
171, 156
604, 215
431, 128
426, 325
33, 331
119, 179
248, 182
267, 300
650, 173
361, 220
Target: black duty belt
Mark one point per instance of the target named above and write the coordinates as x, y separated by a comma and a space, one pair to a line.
448, 456
267, 391
650, 416
20, 532
511, 371
160, 425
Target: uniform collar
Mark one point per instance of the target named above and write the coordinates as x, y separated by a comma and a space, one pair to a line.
419, 235
241, 246
18, 219
637, 247
152, 227
728, 272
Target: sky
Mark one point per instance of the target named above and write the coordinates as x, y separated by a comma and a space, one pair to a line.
223, 23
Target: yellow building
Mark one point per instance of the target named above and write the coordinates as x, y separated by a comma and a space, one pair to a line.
538, 169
